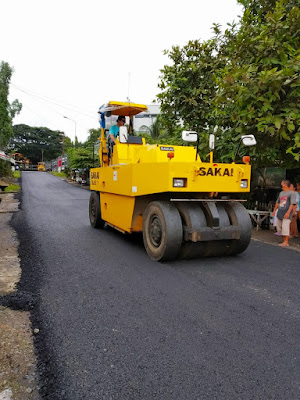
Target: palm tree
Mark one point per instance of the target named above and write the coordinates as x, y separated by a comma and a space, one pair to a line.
156, 128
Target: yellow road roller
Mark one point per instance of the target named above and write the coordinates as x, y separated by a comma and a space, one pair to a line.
184, 207
41, 166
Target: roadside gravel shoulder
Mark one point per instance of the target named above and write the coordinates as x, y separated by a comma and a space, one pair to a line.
18, 363
268, 236
68, 180
18, 379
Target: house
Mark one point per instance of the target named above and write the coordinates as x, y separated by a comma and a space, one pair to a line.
144, 120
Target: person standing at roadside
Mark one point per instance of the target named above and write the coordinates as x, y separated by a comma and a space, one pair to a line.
285, 205
293, 226
298, 206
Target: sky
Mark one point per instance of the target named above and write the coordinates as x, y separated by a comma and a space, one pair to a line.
70, 57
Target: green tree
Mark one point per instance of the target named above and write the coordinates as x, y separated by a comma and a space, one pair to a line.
156, 128
66, 143
94, 135
7, 110
80, 158
245, 80
82, 155
188, 85
36, 143
259, 88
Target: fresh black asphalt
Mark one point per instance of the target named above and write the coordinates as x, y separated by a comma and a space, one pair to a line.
114, 324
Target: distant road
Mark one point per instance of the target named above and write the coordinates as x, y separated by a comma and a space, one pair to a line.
116, 325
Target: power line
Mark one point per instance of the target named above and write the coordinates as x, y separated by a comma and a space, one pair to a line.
45, 119
44, 98
37, 99
51, 108
50, 100
38, 115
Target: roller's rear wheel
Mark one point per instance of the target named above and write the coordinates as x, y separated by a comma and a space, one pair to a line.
241, 218
162, 231
95, 211
194, 218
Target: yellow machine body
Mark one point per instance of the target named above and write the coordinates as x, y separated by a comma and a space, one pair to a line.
142, 170
137, 174
41, 166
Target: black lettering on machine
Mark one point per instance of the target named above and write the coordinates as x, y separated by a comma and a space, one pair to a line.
215, 171
166, 148
95, 175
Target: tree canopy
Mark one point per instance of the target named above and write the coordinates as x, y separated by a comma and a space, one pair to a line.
81, 156
7, 110
245, 80
36, 143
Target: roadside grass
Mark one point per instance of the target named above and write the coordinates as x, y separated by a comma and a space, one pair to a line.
12, 188
17, 174
60, 174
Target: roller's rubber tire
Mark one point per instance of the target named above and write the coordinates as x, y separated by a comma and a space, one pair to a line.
162, 231
245, 226
194, 218
95, 211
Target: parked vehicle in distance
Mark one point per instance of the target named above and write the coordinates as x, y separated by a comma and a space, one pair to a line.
41, 166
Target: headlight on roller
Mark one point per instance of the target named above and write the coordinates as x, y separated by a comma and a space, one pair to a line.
179, 182
244, 183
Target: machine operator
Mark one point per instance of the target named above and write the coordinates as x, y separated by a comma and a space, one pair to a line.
114, 130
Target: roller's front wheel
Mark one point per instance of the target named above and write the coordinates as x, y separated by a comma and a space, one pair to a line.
162, 231
95, 211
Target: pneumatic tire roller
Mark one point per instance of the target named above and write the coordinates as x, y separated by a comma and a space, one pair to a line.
182, 229
184, 207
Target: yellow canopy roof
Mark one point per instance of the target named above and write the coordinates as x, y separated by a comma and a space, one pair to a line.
120, 108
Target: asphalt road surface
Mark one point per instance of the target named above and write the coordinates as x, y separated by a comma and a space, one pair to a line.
114, 324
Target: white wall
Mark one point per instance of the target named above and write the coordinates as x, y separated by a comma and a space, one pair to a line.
146, 119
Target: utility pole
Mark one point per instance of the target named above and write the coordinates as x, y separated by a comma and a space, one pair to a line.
75, 129
63, 144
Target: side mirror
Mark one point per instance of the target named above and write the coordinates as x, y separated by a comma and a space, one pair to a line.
123, 134
211, 141
249, 140
189, 136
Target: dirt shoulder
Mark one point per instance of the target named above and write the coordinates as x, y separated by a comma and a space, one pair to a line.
18, 380
269, 236
18, 371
